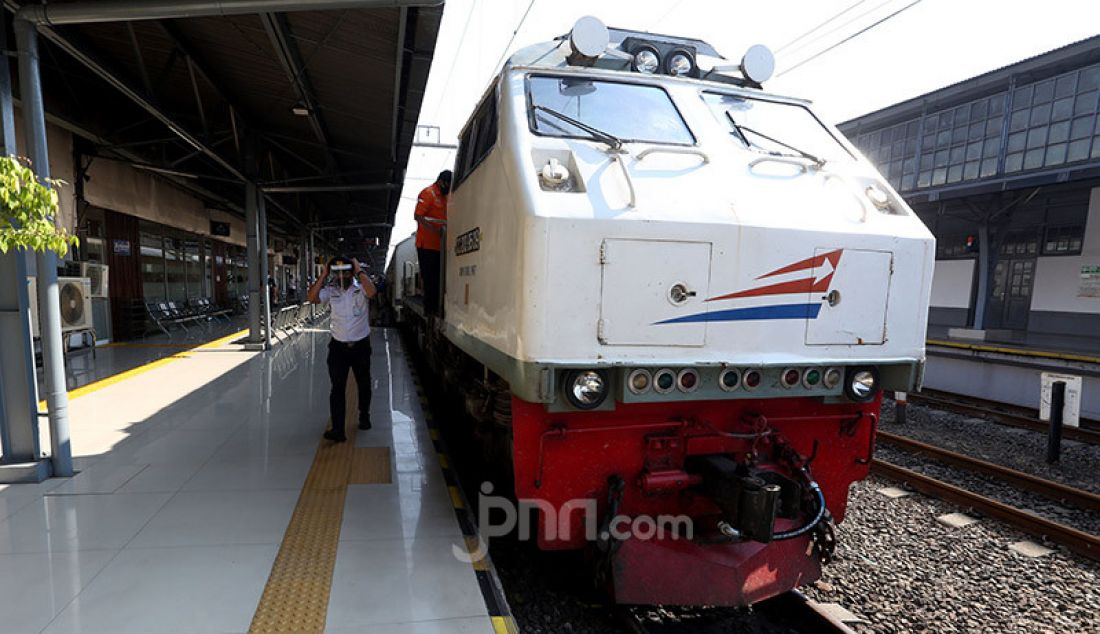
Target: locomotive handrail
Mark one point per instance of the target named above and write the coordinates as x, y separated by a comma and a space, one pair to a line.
798, 161
692, 151
616, 156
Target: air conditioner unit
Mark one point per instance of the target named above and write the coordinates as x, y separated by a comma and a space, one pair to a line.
76, 303
97, 273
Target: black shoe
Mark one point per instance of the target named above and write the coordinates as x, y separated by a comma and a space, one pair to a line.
364, 424
335, 436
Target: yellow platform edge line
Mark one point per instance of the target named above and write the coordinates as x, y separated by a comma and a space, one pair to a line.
95, 386
504, 625
1043, 354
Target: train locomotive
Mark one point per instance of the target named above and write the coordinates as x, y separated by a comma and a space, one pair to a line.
674, 294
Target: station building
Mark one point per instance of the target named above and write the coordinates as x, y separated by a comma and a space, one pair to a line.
1004, 168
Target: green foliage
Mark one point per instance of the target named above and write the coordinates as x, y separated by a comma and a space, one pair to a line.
27, 208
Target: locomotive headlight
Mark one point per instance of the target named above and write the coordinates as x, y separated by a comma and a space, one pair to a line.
861, 384
646, 61
639, 381
679, 63
585, 389
878, 198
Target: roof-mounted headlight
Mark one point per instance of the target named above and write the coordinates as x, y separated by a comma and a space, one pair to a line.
646, 60
680, 63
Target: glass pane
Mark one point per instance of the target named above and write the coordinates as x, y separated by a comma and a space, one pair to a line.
1063, 86
1044, 91
939, 176
989, 167
152, 267
959, 135
1036, 137
1063, 109
1056, 154
1089, 79
1018, 121
954, 173
943, 139
1022, 97
926, 161
997, 104
993, 126
1040, 114
947, 119
1078, 150
629, 111
908, 181
789, 126
973, 151
941, 158
970, 170
976, 131
1095, 147
1016, 141
979, 110
924, 179
1013, 162
1081, 128
173, 256
929, 142
1085, 103
1033, 159
991, 148
1059, 132
957, 154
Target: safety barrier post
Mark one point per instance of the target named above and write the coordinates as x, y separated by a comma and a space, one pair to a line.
1057, 404
900, 403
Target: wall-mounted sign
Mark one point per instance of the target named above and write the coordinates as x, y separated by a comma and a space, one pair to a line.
1089, 285
219, 228
121, 247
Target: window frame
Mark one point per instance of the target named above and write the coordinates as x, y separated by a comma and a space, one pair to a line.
825, 128
531, 109
470, 139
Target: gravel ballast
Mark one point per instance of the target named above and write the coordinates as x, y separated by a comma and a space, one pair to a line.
1019, 449
902, 571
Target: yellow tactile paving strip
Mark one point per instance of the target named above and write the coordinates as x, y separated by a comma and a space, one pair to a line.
370, 465
295, 598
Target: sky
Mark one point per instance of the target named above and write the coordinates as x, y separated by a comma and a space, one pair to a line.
928, 45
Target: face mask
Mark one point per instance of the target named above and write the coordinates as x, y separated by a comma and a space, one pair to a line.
444, 187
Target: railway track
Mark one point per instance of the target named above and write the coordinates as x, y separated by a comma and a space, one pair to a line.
1001, 414
1080, 542
789, 612
1056, 491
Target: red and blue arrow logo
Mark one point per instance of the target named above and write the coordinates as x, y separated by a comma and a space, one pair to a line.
821, 269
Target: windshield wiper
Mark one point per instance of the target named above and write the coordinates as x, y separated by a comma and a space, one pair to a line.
741, 130
605, 137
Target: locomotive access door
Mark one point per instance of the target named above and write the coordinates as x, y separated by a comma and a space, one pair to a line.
646, 282
852, 287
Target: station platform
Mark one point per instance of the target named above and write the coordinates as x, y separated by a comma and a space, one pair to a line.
1009, 367
206, 501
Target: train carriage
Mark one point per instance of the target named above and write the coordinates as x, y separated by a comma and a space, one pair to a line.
674, 293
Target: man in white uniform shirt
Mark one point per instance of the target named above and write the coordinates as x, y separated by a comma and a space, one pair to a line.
349, 348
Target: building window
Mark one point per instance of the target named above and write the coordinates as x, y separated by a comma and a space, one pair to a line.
956, 246
1064, 240
152, 267
1023, 243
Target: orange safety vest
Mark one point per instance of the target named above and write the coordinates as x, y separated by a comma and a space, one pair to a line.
432, 203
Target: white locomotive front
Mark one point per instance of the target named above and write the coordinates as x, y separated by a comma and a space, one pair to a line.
688, 286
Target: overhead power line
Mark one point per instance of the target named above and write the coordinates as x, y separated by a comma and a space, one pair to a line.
839, 27
850, 37
788, 44
514, 33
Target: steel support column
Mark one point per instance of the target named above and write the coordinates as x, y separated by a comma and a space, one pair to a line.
252, 226
19, 445
265, 274
49, 303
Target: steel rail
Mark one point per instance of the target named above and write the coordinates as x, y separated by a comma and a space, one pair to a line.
1048, 488
1080, 542
1012, 420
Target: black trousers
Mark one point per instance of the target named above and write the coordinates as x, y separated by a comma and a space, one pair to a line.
343, 357
429, 273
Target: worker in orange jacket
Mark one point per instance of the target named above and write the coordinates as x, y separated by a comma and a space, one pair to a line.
431, 218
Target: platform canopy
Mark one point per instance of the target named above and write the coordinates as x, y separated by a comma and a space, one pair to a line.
328, 91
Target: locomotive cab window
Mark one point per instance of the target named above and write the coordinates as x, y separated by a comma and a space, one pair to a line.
775, 128
581, 108
477, 140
